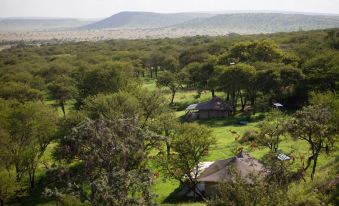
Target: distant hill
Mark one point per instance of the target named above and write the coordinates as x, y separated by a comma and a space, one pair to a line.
144, 20
28, 24
244, 23
140, 25
263, 22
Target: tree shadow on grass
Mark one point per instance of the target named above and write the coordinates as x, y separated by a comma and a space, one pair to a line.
176, 198
32, 198
231, 121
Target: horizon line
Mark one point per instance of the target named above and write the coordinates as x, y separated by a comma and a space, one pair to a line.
206, 12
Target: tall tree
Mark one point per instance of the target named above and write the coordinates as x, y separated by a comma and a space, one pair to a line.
171, 81
314, 125
234, 79
271, 130
190, 144
198, 74
30, 128
63, 89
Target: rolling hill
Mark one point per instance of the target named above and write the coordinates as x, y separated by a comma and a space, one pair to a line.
263, 22
145, 20
232, 22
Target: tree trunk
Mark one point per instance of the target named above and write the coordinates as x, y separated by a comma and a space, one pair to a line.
234, 102
2, 202
168, 148
242, 101
314, 166
151, 72
213, 93
172, 99
32, 178
252, 104
62, 105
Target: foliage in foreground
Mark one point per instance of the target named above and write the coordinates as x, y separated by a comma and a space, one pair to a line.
111, 163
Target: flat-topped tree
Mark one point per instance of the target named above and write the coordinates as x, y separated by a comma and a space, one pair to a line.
173, 81
63, 89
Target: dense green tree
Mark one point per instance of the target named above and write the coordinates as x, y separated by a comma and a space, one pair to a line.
314, 125
194, 54
27, 131
198, 74
327, 100
190, 144
171, 64
263, 50
172, 81
19, 91
151, 104
290, 78
106, 78
271, 130
111, 157
63, 89
165, 124
112, 106
233, 79
322, 71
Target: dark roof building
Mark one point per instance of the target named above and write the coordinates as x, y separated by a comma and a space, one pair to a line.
216, 107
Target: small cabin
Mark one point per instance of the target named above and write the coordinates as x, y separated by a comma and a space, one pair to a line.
215, 108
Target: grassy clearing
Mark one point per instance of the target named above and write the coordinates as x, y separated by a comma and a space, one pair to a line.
226, 143
224, 149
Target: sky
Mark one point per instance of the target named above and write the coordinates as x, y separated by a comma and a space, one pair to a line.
105, 8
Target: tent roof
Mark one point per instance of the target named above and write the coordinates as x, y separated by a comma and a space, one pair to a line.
277, 104
219, 170
214, 104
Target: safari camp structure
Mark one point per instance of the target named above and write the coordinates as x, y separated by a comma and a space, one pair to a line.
215, 108
220, 171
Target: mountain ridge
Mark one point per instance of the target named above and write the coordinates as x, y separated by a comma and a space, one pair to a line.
234, 22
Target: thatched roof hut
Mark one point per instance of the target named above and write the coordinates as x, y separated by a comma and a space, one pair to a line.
219, 171
243, 163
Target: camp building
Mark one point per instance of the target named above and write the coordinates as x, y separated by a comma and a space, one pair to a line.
219, 171
214, 108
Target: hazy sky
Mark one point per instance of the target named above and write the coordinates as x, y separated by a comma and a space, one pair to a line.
104, 8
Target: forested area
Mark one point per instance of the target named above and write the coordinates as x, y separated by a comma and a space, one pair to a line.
100, 123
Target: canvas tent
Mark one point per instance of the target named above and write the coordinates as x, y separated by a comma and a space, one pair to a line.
219, 171
216, 107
